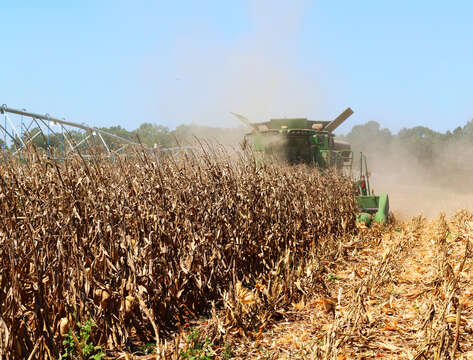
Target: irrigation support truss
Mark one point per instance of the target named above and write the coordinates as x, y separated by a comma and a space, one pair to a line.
22, 136
18, 138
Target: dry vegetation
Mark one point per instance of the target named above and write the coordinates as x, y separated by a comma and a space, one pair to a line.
402, 292
143, 247
215, 258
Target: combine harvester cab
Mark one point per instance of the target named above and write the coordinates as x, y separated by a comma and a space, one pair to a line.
371, 207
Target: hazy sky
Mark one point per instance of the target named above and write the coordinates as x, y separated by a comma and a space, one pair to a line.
401, 63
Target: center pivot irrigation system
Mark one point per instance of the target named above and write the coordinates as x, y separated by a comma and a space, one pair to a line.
21, 128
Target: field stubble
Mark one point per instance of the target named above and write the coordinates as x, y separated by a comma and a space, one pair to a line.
402, 292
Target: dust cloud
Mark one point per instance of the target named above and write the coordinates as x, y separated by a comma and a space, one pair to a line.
258, 73
443, 184
261, 72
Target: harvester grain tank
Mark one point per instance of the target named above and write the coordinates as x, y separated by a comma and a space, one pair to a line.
299, 140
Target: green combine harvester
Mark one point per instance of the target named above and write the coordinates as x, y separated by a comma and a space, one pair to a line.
299, 140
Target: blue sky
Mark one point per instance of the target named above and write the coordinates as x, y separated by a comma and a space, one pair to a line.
401, 63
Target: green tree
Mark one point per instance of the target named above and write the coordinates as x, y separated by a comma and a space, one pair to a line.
369, 138
150, 134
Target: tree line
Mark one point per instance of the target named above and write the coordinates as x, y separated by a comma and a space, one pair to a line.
445, 159
148, 134
419, 142
452, 150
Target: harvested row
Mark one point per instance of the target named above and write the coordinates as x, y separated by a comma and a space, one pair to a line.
141, 245
404, 291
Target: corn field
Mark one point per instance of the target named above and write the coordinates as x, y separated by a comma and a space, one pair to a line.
141, 246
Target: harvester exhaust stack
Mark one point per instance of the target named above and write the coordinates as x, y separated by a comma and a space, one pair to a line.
338, 120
